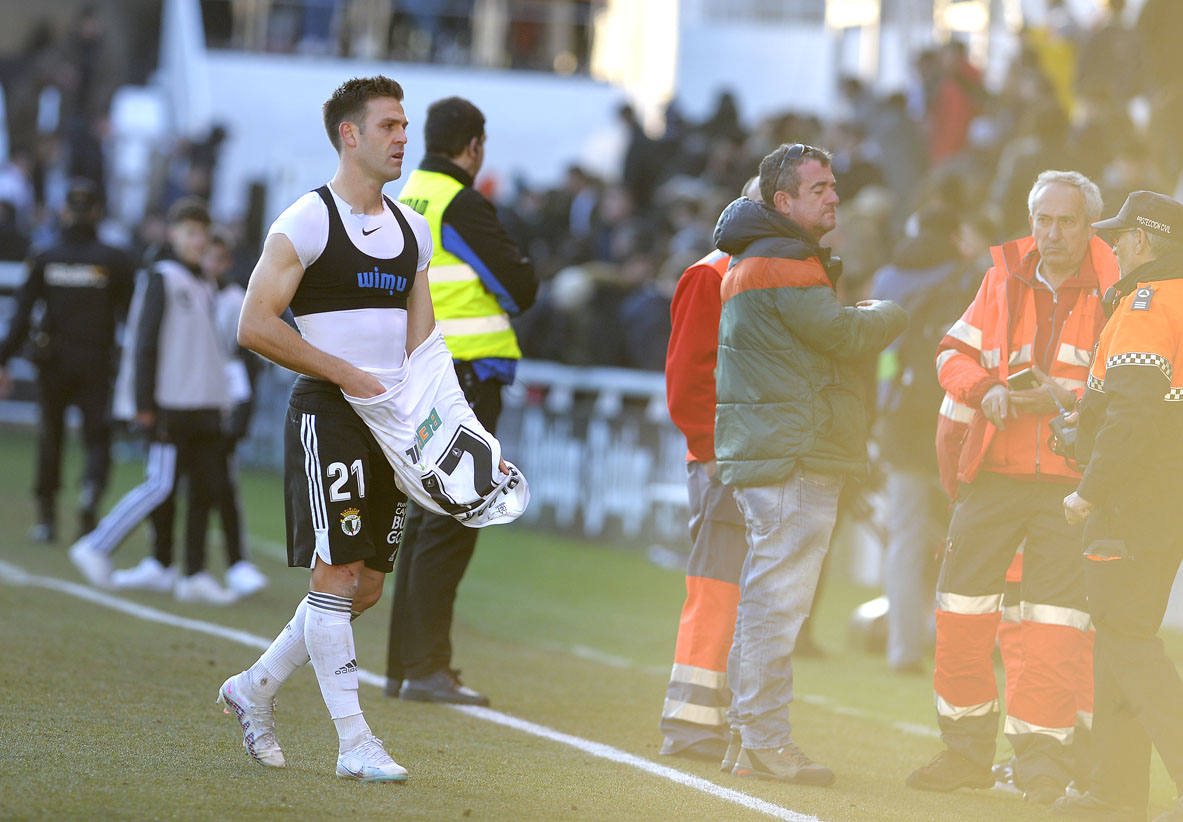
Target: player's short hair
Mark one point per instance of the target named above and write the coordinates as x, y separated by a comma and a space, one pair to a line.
452, 123
348, 102
189, 209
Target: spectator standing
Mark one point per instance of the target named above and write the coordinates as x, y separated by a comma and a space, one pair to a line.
1038, 308
84, 286
180, 395
242, 367
1131, 437
956, 101
154, 572
790, 425
926, 278
479, 279
694, 714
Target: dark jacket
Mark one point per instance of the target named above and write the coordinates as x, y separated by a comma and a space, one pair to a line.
791, 387
85, 286
475, 219
926, 280
1131, 416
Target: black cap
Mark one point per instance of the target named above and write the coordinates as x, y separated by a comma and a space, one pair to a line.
1149, 211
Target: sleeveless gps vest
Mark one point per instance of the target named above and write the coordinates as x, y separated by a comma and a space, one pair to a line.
344, 278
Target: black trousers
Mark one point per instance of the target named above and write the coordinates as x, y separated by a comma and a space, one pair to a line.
1138, 695
229, 505
83, 380
435, 552
201, 462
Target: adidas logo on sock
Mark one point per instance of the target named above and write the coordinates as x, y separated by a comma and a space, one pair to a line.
349, 667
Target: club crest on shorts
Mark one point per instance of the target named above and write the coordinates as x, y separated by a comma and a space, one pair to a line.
351, 521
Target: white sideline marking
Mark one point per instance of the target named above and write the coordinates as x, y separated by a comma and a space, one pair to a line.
15, 575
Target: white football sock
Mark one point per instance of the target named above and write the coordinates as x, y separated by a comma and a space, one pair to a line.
288, 652
351, 730
330, 644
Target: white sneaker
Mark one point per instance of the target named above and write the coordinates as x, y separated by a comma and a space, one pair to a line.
201, 587
94, 564
369, 762
149, 575
244, 579
256, 718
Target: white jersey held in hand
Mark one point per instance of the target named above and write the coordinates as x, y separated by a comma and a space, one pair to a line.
443, 458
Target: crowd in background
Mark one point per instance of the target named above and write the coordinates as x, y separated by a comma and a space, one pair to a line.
547, 35
609, 251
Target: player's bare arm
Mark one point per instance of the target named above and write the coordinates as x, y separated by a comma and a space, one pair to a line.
420, 313
268, 294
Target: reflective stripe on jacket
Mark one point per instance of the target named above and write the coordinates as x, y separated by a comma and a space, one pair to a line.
994, 338
474, 324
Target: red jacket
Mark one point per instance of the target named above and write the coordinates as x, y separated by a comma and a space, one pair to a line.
690, 358
994, 338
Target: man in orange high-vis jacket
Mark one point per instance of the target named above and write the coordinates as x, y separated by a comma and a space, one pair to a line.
1131, 437
694, 714
1038, 308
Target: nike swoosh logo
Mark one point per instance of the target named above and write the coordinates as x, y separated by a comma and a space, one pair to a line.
371, 231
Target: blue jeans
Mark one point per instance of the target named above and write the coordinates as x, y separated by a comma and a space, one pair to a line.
788, 529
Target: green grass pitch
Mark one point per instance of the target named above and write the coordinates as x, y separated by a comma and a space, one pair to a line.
107, 716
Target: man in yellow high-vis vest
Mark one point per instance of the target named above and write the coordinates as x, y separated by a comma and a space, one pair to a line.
479, 279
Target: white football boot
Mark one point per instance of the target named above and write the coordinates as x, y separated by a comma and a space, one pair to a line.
149, 575
257, 718
201, 587
244, 578
368, 762
94, 564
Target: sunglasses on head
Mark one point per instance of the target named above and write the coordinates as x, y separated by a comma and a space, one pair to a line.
796, 152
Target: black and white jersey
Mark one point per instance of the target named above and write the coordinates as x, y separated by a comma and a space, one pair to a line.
358, 271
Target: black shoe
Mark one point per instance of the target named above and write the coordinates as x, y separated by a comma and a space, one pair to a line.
949, 771
1004, 772
1043, 790
442, 686
1091, 806
788, 764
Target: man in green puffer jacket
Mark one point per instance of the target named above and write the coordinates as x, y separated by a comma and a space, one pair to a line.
790, 424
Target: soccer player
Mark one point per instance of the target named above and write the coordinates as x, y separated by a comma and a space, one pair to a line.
352, 265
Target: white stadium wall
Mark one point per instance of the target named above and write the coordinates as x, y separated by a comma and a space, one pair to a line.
536, 123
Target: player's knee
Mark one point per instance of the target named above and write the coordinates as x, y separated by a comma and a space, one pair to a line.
365, 599
340, 580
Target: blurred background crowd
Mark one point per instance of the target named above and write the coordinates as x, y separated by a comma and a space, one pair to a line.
946, 154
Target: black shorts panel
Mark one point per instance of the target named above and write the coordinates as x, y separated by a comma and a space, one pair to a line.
340, 497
